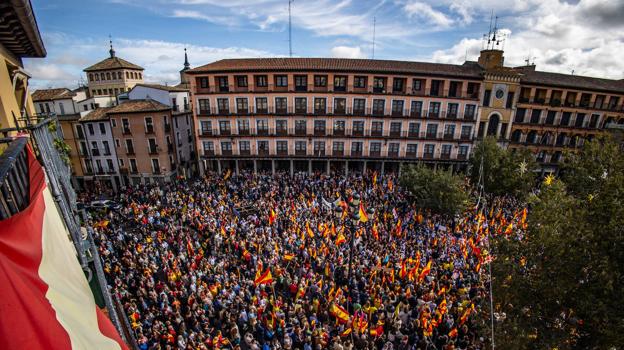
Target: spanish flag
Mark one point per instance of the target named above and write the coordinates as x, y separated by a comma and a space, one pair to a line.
272, 217
375, 231
341, 239
425, 272
309, 230
189, 247
374, 179
227, 174
346, 332
363, 216
453, 333
464, 317
509, 229
265, 278
246, 254
339, 312
403, 271
390, 185
101, 224
289, 257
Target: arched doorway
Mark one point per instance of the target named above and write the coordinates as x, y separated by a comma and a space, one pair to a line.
493, 122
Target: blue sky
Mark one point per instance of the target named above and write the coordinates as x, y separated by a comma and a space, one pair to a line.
557, 35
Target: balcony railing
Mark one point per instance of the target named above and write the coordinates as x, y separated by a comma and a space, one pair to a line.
374, 153
300, 152
149, 129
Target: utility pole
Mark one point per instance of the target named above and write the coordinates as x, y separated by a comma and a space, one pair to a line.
290, 28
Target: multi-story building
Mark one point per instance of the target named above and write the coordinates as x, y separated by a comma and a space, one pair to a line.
98, 151
112, 76
559, 111
317, 114
177, 97
20, 38
143, 138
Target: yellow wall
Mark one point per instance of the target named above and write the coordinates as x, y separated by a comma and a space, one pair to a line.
10, 102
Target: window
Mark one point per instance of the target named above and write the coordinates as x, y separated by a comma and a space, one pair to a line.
411, 150
319, 126
357, 147
262, 81
359, 82
429, 149
320, 105
340, 83
359, 105
208, 146
393, 149
486, 98
338, 147
226, 147
510, 98
452, 110
262, 126
398, 84
281, 105
224, 127
224, 105
121, 162
108, 76
242, 105
224, 85
149, 125
203, 83
414, 129
446, 150
241, 81
301, 82
339, 127
593, 122
155, 166
319, 148
243, 126
90, 128
449, 131
94, 148
111, 167
129, 146
281, 80
300, 147
434, 109
300, 127
397, 107
281, 126
358, 128
107, 151
469, 112
261, 105
550, 117
340, 105
114, 123
133, 165
565, 118
204, 106
417, 84
535, 116
320, 80
282, 147
376, 128
375, 147
395, 128
379, 106
519, 118
379, 85
432, 130
244, 146
62, 108
435, 87
416, 109
206, 127
466, 131
301, 105
580, 120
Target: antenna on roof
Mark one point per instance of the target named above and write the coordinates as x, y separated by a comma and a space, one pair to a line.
572, 73
374, 27
289, 28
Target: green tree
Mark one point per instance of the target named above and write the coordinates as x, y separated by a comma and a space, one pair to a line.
440, 190
504, 172
561, 285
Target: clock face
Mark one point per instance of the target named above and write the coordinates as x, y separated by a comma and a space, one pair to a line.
500, 93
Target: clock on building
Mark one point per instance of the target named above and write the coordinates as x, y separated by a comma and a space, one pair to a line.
500, 93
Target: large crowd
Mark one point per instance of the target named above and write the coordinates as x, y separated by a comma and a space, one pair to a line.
262, 262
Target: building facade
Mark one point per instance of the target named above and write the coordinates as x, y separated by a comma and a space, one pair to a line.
341, 115
143, 137
112, 76
335, 115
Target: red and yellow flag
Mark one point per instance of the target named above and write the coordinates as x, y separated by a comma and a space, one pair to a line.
265, 278
424, 272
464, 317
309, 230
272, 217
340, 239
339, 312
363, 215
375, 231
453, 333
289, 257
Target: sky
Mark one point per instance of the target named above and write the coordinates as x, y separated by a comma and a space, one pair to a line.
585, 37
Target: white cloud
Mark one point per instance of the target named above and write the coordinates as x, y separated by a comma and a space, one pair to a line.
162, 60
422, 11
347, 52
221, 20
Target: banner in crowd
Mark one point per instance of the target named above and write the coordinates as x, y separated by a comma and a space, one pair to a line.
45, 300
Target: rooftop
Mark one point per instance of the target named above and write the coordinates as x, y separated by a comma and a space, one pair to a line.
532, 76
96, 114
170, 88
467, 70
135, 106
112, 63
19, 32
52, 94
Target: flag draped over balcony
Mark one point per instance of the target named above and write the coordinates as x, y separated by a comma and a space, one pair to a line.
46, 300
